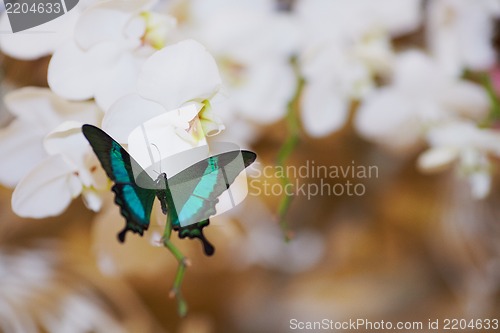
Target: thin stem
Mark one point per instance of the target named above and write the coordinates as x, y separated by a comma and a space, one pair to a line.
293, 128
494, 114
182, 307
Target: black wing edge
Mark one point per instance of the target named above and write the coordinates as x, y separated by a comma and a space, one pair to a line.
196, 170
248, 157
101, 144
196, 231
131, 224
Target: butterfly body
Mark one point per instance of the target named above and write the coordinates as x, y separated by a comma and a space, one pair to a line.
165, 197
189, 197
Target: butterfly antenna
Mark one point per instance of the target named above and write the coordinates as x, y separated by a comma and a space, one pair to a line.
147, 144
159, 153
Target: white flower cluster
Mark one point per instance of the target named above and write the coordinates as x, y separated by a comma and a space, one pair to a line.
118, 63
399, 63
114, 64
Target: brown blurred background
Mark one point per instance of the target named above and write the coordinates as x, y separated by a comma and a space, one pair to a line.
414, 247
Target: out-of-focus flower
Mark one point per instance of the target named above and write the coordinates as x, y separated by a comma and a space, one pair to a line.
32, 298
334, 79
341, 57
393, 17
70, 169
263, 243
23, 274
114, 259
37, 111
111, 41
466, 243
42, 291
176, 83
460, 33
421, 95
466, 145
252, 44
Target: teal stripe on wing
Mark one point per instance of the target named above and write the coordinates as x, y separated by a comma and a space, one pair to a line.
200, 205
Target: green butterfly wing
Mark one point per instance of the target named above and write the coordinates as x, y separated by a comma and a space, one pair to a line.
195, 191
135, 202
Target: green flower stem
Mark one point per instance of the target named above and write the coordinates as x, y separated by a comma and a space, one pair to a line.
293, 128
494, 114
182, 307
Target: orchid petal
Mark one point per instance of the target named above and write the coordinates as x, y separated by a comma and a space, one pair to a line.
413, 68
46, 110
266, 91
201, 9
47, 190
167, 137
158, 27
107, 21
480, 183
37, 112
31, 43
73, 73
21, 147
100, 180
120, 81
211, 123
92, 200
178, 74
477, 30
255, 34
387, 115
461, 39
323, 111
437, 159
455, 134
467, 99
128, 113
398, 17
68, 140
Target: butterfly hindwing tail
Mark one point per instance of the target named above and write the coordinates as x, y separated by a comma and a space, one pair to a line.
135, 207
193, 192
196, 231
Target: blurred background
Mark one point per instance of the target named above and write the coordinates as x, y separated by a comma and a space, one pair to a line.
406, 86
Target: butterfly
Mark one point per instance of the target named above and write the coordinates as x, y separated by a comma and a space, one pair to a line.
189, 196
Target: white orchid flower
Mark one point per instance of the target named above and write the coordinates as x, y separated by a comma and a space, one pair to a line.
177, 84
252, 44
37, 112
341, 56
333, 79
459, 33
111, 41
421, 95
467, 146
70, 169
394, 16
